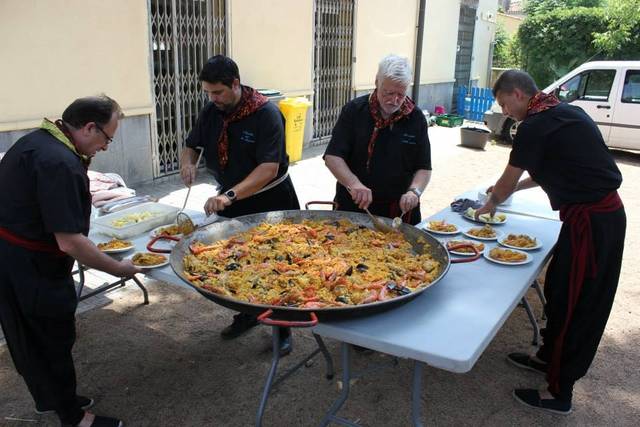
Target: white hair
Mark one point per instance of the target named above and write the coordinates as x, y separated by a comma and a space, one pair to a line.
395, 68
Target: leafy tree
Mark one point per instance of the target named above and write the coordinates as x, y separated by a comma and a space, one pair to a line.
555, 42
505, 54
534, 7
621, 39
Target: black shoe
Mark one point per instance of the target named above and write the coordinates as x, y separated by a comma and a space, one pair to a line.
286, 346
531, 398
524, 361
84, 402
241, 323
100, 421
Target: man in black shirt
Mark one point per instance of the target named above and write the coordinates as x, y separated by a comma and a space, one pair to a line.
45, 206
379, 150
242, 135
563, 151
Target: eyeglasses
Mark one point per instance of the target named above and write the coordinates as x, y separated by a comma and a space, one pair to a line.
109, 138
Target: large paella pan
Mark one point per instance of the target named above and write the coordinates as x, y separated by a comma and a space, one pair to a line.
421, 243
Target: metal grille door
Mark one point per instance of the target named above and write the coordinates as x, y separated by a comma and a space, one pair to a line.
332, 68
184, 33
466, 28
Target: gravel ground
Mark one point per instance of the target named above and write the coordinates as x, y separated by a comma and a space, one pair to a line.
165, 365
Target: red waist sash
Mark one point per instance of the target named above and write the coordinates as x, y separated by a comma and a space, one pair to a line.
32, 245
583, 262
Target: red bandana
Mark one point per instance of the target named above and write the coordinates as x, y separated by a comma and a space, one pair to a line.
250, 101
380, 123
541, 102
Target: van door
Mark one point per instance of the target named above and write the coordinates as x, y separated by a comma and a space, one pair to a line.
591, 91
625, 126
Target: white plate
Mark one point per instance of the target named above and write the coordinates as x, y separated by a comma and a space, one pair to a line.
466, 233
461, 253
526, 261
445, 233
149, 267
117, 251
154, 233
482, 221
537, 246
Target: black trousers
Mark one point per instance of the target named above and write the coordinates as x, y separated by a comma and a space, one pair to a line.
40, 332
594, 303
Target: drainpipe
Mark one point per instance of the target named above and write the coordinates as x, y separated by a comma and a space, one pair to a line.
418, 59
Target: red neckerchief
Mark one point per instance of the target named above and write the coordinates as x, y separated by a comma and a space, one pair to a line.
582, 262
250, 101
380, 123
541, 102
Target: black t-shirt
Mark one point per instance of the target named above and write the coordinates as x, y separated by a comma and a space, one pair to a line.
256, 139
399, 151
563, 151
44, 189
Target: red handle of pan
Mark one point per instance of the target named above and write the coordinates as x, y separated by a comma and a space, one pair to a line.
266, 320
150, 247
320, 202
468, 259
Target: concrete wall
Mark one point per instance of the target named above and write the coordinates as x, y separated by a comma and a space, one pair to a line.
483, 38
510, 23
272, 42
382, 28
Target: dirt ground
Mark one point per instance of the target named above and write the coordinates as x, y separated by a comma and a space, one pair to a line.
165, 365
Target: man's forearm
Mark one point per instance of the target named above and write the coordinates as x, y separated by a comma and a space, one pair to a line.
256, 180
85, 252
189, 156
421, 179
525, 184
341, 171
506, 185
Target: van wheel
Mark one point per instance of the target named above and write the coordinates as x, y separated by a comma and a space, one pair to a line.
509, 130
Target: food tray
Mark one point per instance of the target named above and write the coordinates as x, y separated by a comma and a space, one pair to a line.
161, 215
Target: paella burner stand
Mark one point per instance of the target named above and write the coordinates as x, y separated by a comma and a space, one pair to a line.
271, 382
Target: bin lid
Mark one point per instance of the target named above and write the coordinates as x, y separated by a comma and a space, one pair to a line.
270, 92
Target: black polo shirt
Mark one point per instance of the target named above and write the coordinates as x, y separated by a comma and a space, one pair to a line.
44, 189
399, 151
256, 139
563, 151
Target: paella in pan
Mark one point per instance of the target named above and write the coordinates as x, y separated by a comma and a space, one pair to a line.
313, 263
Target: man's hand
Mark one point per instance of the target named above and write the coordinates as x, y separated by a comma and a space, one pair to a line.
216, 204
127, 269
489, 207
188, 173
408, 201
361, 195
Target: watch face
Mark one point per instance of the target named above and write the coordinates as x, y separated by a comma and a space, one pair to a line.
231, 194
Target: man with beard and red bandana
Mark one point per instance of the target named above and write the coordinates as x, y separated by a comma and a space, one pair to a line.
242, 135
379, 150
563, 151
45, 207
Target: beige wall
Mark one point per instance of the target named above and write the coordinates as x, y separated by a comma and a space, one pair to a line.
440, 40
382, 27
510, 23
57, 50
482, 39
272, 42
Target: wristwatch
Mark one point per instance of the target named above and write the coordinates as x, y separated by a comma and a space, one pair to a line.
231, 195
416, 191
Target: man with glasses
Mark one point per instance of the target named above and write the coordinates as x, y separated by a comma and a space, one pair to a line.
379, 150
45, 206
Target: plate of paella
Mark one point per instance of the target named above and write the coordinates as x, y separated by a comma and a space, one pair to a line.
520, 241
115, 246
508, 256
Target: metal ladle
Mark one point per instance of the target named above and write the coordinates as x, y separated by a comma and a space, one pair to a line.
185, 224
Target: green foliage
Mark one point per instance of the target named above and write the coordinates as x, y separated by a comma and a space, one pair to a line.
621, 39
505, 53
533, 7
555, 42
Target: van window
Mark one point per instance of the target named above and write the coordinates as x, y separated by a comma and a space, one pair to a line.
592, 85
631, 90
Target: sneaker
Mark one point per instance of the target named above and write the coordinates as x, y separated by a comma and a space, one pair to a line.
286, 346
524, 361
241, 323
531, 398
84, 402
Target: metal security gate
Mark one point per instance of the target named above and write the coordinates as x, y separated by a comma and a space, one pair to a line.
466, 28
332, 64
184, 33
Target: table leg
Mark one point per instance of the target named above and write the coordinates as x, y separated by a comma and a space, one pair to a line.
327, 356
532, 319
144, 290
543, 300
80, 272
346, 380
416, 394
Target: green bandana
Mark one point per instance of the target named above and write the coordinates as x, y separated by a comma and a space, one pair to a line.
51, 127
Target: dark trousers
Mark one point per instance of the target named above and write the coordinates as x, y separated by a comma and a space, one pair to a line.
594, 304
40, 345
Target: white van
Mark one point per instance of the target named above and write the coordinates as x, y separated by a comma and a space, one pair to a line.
609, 91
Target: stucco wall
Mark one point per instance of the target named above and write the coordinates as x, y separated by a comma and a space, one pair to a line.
272, 42
55, 51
